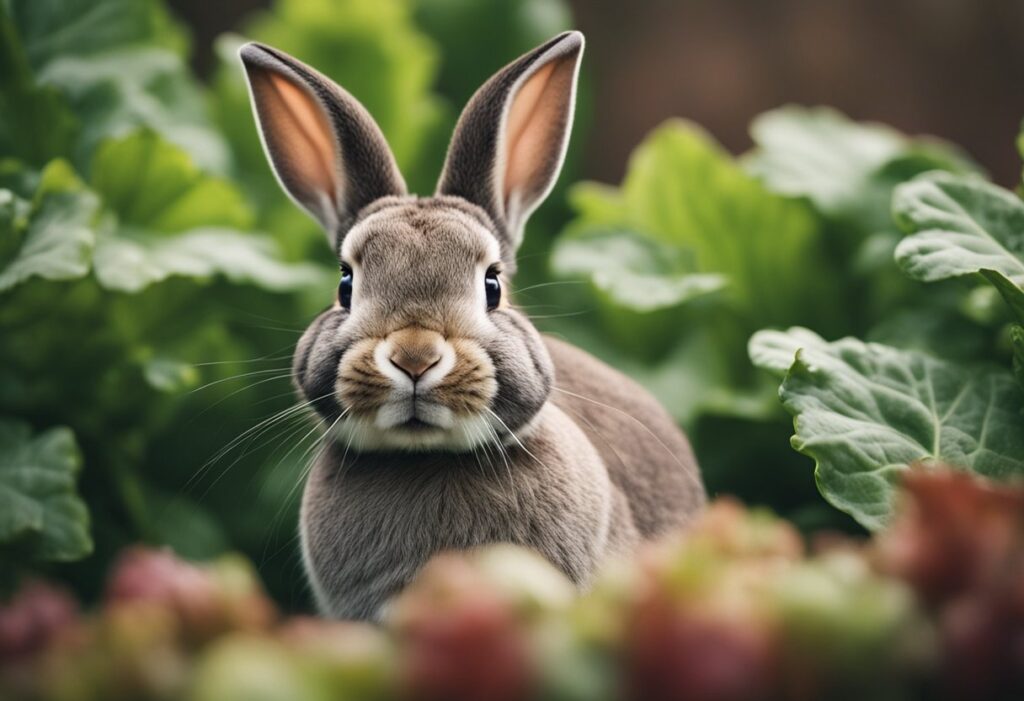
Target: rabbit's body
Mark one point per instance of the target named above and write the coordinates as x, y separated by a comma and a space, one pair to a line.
370, 521
451, 422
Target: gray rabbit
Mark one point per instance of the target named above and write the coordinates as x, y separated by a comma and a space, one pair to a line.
453, 422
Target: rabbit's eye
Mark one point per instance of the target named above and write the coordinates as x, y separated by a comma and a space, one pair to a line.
345, 287
492, 288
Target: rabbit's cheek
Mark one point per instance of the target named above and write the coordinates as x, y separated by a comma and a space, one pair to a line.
468, 388
360, 386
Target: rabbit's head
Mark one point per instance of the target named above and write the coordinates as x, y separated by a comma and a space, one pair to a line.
421, 348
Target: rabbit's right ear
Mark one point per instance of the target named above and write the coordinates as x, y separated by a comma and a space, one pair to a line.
326, 150
511, 139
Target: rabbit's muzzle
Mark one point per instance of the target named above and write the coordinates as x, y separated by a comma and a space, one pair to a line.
416, 388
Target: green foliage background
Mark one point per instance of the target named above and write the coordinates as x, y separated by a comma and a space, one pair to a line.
154, 279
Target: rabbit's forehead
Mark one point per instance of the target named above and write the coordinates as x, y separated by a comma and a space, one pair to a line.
428, 240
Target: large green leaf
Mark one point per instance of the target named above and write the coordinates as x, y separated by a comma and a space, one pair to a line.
149, 182
687, 196
55, 238
40, 512
866, 412
173, 219
844, 167
959, 226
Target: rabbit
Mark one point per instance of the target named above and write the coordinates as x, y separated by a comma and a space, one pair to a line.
451, 421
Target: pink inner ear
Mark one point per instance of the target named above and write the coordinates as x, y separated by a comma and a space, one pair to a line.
296, 128
534, 130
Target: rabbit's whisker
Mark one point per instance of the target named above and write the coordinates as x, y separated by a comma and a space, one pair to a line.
560, 316
269, 356
516, 438
320, 443
547, 284
254, 432
240, 376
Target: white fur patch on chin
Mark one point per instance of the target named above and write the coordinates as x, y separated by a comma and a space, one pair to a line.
365, 435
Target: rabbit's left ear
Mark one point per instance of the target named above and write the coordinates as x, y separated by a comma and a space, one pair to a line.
326, 150
511, 139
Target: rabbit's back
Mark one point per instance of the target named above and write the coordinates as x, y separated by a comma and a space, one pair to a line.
646, 454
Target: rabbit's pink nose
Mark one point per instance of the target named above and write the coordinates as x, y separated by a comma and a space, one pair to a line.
415, 350
414, 364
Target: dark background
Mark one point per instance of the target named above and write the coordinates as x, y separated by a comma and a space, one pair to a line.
953, 68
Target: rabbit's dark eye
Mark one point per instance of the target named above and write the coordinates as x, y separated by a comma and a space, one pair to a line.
492, 288
345, 287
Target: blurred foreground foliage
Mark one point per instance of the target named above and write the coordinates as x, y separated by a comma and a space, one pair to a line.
736, 609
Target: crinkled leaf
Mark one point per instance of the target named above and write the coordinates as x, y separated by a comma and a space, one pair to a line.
151, 183
958, 226
39, 507
866, 412
775, 351
57, 240
636, 272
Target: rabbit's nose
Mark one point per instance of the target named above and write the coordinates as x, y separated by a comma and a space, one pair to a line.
414, 351
414, 364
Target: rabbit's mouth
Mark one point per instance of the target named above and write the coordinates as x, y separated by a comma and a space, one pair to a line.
443, 405
363, 434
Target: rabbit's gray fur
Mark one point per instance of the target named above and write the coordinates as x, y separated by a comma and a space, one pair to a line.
530, 440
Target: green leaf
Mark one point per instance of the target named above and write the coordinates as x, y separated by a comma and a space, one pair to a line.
36, 124
866, 412
636, 272
842, 166
57, 241
819, 154
118, 91
60, 28
131, 260
173, 219
683, 193
151, 183
775, 351
1017, 345
39, 508
960, 226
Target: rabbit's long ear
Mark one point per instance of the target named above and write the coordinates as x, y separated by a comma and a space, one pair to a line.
511, 139
326, 150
